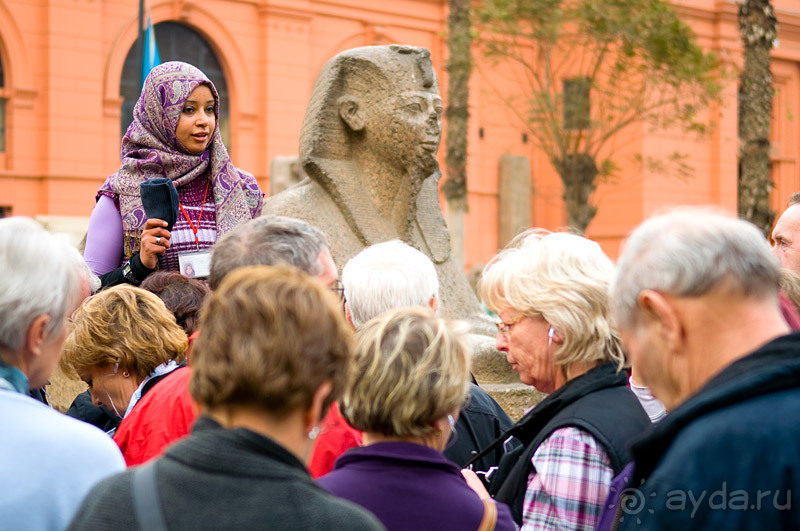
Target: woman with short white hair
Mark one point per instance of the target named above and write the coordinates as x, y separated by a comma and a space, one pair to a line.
551, 295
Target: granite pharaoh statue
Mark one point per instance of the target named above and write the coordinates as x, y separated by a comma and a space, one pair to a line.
368, 145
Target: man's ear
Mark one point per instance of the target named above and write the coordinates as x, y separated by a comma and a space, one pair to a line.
350, 112
659, 309
348, 317
37, 334
434, 304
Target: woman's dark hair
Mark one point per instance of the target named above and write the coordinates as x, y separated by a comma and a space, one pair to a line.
182, 295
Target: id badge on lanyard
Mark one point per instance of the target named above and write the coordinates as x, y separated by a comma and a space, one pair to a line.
195, 265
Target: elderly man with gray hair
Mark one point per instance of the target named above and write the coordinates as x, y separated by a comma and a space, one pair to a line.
167, 412
392, 275
49, 461
696, 301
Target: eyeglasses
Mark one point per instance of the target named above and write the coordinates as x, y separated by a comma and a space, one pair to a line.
504, 327
338, 290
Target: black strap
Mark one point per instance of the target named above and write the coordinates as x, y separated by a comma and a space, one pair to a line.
146, 505
511, 432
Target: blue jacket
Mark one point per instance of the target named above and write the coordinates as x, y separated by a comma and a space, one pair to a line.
727, 458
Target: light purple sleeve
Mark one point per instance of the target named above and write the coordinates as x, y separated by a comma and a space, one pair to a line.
103, 251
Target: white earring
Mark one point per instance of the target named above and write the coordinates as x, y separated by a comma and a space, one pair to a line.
313, 433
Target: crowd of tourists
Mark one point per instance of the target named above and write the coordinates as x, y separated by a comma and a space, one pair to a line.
235, 381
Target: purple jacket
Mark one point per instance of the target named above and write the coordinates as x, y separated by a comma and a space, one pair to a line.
409, 486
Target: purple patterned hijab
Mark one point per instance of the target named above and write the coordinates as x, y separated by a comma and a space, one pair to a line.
151, 149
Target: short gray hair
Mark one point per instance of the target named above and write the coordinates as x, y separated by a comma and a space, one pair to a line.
268, 240
688, 252
385, 276
38, 278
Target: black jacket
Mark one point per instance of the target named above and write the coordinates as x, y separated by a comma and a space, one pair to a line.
480, 422
225, 479
598, 402
726, 458
83, 408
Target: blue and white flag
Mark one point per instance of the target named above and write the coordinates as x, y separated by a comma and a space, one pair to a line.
151, 56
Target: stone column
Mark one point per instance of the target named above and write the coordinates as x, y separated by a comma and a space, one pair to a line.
514, 197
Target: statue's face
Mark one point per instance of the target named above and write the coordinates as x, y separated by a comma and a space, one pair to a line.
406, 128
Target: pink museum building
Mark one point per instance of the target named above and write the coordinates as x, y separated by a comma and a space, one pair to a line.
68, 82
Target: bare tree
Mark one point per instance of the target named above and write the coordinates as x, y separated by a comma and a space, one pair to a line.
758, 27
459, 68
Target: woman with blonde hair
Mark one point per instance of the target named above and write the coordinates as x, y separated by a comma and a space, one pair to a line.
408, 383
122, 341
551, 296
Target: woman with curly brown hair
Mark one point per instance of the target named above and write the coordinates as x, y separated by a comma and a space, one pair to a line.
121, 342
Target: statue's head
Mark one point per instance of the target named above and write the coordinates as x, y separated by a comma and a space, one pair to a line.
379, 101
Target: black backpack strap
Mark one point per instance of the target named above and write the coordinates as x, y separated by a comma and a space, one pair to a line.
508, 484
146, 504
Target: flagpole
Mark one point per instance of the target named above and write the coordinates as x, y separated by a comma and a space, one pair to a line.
140, 43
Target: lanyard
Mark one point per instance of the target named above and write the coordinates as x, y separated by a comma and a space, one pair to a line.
195, 229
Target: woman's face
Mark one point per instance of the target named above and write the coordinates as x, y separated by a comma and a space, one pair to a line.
529, 350
110, 387
197, 121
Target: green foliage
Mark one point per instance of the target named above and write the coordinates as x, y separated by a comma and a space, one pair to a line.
641, 63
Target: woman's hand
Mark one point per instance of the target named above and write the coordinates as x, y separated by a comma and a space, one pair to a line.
154, 242
475, 484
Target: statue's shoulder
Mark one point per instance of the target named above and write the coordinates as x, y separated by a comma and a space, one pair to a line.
309, 201
303, 200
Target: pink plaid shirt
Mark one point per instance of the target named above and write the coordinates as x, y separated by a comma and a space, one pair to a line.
568, 484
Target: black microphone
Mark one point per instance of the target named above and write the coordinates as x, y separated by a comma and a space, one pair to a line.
160, 200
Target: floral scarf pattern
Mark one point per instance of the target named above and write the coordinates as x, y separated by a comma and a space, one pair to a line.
150, 149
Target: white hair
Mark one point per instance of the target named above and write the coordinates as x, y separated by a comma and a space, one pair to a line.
564, 278
385, 276
688, 252
38, 278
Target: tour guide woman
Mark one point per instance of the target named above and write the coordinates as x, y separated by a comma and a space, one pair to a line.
173, 135
551, 297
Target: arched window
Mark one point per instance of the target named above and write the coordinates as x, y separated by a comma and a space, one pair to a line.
176, 42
